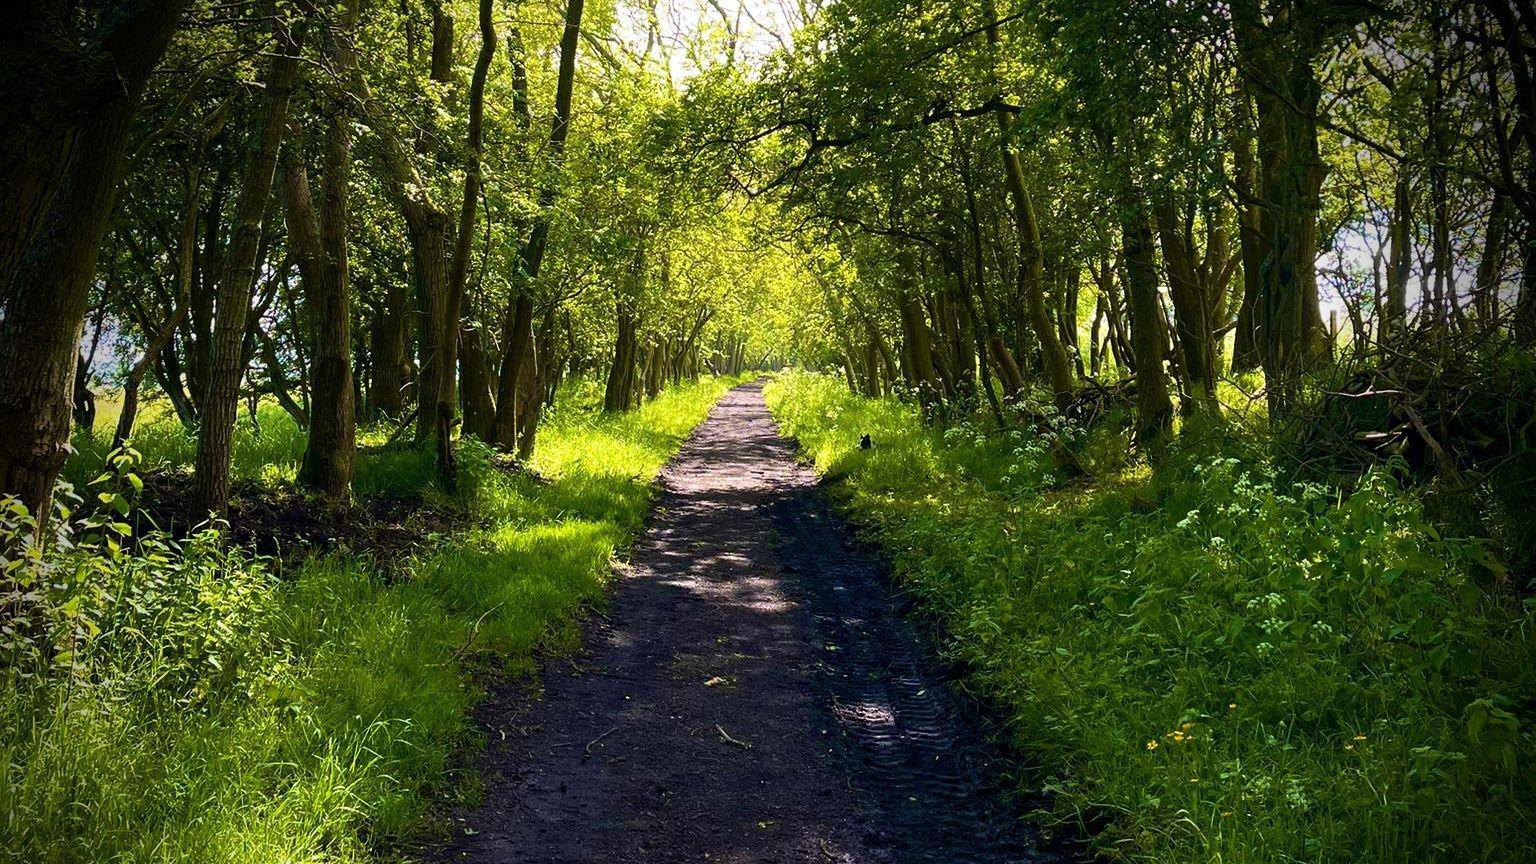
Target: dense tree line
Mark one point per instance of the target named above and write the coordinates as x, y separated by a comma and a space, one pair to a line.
427, 213
435, 211
1059, 196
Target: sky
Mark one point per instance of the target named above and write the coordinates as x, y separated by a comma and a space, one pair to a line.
693, 32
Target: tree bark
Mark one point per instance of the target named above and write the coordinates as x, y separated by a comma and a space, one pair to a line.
1277, 56
44, 300
1031, 272
919, 353
542, 392
475, 385
1250, 238
427, 228
387, 364
1399, 257
1191, 309
55, 82
1154, 410
210, 490
621, 372
458, 274
320, 247
518, 322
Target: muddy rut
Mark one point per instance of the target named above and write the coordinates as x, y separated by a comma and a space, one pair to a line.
752, 696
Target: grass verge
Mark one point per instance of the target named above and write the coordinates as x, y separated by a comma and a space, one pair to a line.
1207, 664
186, 705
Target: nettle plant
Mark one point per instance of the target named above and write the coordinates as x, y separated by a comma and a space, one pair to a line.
85, 601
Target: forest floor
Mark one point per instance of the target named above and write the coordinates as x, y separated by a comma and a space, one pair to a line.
752, 695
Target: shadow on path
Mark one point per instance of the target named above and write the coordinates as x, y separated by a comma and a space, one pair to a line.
755, 697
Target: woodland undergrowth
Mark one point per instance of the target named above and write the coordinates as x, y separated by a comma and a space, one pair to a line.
1206, 662
182, 700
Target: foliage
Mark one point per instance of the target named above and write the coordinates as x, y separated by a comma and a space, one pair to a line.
1207, 663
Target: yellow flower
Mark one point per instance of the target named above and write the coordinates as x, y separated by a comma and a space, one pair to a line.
1152, 745
1359, 737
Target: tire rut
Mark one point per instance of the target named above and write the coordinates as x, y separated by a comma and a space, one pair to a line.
923, 752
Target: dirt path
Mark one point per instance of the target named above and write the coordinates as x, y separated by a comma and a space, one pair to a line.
754, 697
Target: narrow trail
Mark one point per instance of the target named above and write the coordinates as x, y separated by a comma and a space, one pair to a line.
754, 697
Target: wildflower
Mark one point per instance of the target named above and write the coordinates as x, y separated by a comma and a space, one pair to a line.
1152, 745
1231, 706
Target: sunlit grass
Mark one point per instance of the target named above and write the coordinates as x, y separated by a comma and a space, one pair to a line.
225, 715
1205, 664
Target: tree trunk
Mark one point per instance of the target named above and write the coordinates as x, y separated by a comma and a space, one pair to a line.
542, 391
1399, 257
57, 194
427, 229
330, 454
387, 364
1490, 264
475, 385
518, 322
1031, 275
1278, 56
518, 345
1525, 305
210, 491
919, 353
320, 248
56, 83
1031, 272
1251, 242
1191, 319
199, 340
528, 391
458, 274
1154, 410
442, 43
621, 373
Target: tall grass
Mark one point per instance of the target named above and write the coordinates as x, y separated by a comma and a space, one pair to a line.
185, 705
1207, 664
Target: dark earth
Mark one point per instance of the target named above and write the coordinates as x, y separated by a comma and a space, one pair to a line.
288, 525
753, 696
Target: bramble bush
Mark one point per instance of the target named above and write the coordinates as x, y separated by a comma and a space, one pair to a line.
1207, 663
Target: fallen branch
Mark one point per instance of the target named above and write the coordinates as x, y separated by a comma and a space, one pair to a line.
726, 736
593, 743
474, 631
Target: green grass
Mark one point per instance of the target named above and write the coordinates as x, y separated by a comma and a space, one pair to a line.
267, 451
195, 708
1206, 664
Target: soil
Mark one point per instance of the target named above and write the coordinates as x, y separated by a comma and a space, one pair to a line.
287, 524
754, 695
